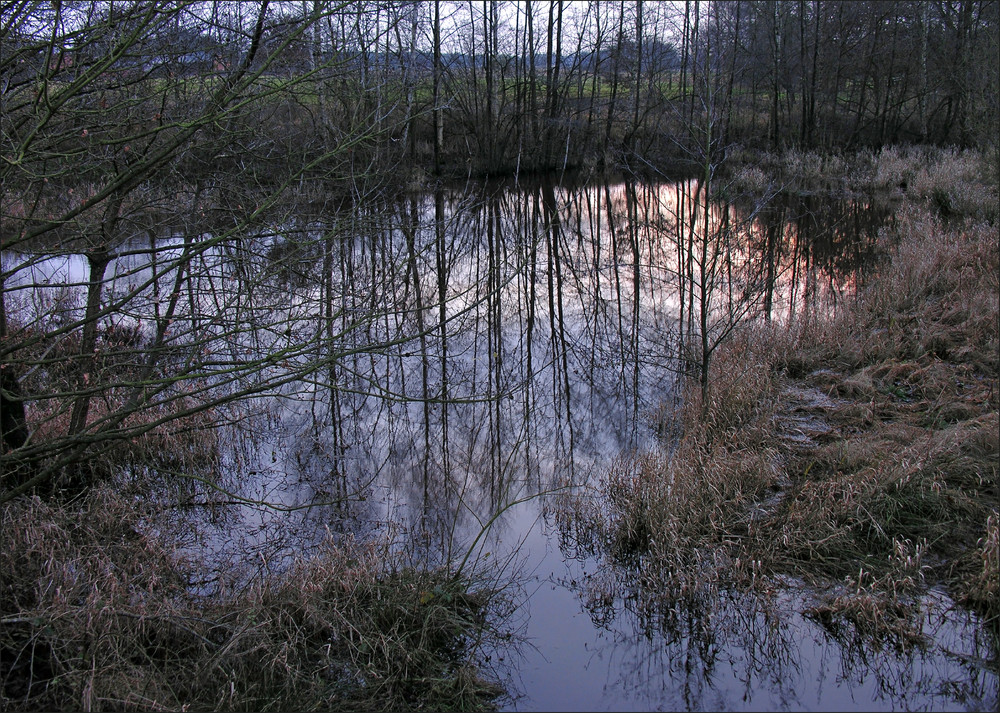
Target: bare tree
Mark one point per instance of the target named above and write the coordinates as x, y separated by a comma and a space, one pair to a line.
150, 178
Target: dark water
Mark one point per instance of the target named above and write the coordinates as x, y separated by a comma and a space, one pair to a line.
480, 348
596, 647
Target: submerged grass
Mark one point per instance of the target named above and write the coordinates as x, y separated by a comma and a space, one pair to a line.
858, 452
96, 616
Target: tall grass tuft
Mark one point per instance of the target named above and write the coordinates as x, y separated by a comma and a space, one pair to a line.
682, 515
95, 615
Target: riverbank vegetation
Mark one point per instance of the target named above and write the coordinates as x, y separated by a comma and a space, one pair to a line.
855, 449
211, 208
99, 613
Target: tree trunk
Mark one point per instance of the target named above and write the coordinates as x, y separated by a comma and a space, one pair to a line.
436, 110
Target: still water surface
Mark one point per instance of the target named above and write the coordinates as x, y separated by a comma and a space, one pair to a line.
497, 343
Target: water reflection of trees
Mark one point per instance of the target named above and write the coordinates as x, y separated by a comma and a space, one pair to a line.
479, 343
543, 353
416, 365
718, 646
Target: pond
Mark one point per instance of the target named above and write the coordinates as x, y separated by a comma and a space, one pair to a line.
439, 369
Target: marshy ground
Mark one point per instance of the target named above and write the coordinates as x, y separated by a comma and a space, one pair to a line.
853, 453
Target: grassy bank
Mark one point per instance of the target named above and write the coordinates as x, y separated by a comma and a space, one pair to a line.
856, 452
96, 616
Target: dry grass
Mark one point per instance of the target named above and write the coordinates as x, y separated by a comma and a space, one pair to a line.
94, 616
981, 576
937, 298
952, 183
912, 367
683, 516
853, 501
859, 451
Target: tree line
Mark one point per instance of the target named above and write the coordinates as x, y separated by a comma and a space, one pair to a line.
188, 132
531, 85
